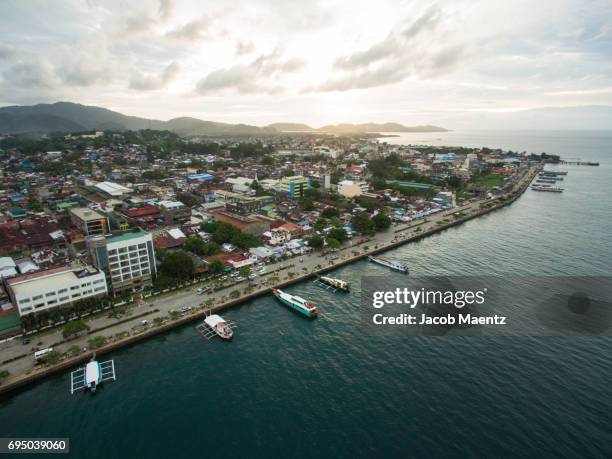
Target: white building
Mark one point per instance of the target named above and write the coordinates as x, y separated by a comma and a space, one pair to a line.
350, 189
113, 189
55, 287
128, 260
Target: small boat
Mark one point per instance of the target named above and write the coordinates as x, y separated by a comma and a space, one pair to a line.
335, 283
92, 375
393, 264
297, 303
219, 326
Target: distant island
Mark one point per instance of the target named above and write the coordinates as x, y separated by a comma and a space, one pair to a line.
71, 117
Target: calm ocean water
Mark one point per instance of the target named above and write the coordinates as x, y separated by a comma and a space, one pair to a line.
288, 387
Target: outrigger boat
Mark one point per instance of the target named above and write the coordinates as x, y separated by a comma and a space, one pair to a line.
92, 375
215, 325
297, 303
393, 264
336, 284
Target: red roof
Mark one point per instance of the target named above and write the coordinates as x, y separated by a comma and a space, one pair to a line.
142, 211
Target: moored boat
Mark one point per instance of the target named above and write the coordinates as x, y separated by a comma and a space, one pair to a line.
552, 189
296, 303
335, 283
219, 326
393, 264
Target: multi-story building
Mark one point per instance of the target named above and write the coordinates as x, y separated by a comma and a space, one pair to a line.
295, 186
175, 212
350, 189
127, 259
90, 222
241, 204
55, 287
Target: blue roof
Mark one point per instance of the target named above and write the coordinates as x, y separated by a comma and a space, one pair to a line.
200, 177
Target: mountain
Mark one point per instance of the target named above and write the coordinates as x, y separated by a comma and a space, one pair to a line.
71, 117
377, 127
354, 128
291, 127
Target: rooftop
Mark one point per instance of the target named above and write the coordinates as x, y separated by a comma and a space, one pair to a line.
127, 236
86, 214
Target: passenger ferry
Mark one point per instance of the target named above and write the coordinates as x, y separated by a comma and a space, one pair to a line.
551, 189
335, 283
393, 264
296, 303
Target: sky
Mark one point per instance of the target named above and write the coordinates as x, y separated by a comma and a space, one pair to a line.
457, 64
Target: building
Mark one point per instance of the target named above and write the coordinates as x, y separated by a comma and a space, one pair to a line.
351, 189
114, 190
89, 221
55, 287
242, 204
253, 224
175, 212
294, 186
127, 259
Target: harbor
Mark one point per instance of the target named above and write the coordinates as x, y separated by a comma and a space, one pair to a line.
385, 241
291, 369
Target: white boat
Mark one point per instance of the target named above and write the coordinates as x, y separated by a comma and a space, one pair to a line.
219, 326
92, 375
393, 264
334, 283
297, 303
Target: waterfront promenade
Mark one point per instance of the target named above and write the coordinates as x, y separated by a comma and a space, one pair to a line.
19, 359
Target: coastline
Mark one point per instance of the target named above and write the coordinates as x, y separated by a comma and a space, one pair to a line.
17, 382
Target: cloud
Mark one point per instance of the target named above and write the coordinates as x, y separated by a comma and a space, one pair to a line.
165, 10
195, 30
407, 51
6, 52
152, 82
252, 77
31, 75
244, 47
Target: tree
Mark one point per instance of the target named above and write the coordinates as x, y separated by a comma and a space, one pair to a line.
73, 328
177, 265
339, 234
361, 223
335, 221
333, 243
330, 212
97, 341
320, 224
381, 221
316, 242
53, 357
245, 271
216, 267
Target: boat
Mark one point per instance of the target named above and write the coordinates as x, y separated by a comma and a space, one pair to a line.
552, 189
297, 303
393, 264
335, 283
219, 326
545, 181
92, 375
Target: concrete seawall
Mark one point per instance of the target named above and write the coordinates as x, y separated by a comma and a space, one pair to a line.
35, 375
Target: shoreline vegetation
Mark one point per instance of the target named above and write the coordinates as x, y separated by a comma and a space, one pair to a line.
459, 215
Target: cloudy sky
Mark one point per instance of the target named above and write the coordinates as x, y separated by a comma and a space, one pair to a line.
449, 63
